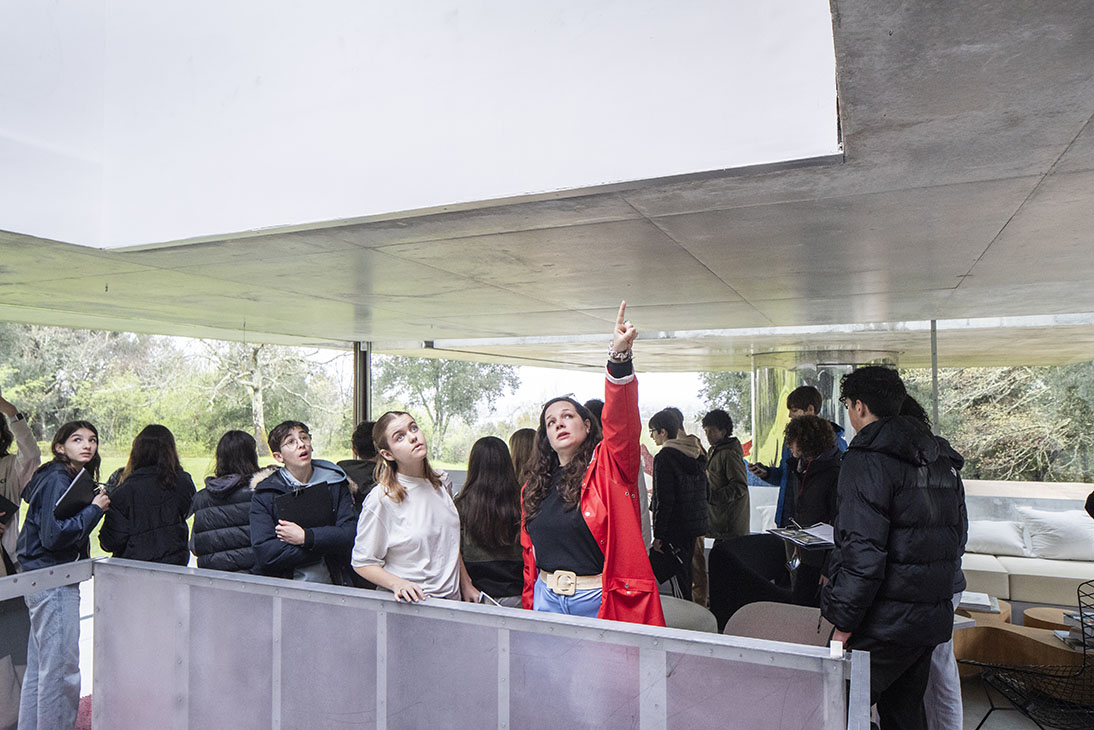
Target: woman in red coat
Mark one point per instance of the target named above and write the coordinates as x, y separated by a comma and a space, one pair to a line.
581, 537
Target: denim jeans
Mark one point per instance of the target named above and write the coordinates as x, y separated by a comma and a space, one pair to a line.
51, 685
943, 699
582, 603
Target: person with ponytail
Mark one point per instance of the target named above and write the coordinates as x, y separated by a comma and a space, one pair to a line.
51, 685
580, 535
152, 500
408, 534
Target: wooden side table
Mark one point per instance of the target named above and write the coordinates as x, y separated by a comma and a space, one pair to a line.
1045, 617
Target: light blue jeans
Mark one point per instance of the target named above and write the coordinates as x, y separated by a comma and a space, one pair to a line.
582, 603
943, 698
51, 685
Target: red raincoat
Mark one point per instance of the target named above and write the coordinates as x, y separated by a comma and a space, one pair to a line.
609, 501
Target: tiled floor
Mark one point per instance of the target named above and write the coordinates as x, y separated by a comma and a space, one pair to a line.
976, 706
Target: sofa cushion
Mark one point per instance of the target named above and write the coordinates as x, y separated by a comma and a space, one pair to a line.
985, 574
1038, 580
1067, 535
996, 537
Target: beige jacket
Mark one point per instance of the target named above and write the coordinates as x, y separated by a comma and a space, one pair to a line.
15, 471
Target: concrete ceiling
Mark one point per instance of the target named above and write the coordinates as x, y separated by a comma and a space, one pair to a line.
965, 195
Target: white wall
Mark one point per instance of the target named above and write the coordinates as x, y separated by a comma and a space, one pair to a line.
127, 121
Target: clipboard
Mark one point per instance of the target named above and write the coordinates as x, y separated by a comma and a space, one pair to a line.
78, 495
307, 507
9, 509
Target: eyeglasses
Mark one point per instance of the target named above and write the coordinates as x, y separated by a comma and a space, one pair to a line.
303, 438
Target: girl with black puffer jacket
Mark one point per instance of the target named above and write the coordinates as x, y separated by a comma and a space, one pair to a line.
151, 501
222, 524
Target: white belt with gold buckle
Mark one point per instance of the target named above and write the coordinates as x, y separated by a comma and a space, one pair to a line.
567, 582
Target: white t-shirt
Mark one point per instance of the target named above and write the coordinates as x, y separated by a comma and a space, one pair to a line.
417, 539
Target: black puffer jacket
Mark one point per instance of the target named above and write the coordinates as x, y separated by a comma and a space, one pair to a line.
222, 524
900, 529
147, 521
680, 492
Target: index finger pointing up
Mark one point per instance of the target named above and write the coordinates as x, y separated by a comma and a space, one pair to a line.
622, 311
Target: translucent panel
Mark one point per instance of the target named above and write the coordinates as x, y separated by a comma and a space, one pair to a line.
574, 684
441, 674
14, 627
328, 666
141, 650
231, 664
704, 692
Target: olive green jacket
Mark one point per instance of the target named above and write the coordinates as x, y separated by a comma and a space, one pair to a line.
729, 506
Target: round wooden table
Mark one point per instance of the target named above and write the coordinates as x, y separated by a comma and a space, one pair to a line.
1045, 617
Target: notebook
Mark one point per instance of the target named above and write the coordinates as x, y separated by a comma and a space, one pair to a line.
307, 507
78, 495
8, 508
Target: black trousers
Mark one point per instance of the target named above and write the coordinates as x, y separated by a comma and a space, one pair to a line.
898, 681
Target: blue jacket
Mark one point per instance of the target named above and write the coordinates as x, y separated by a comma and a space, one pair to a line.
783, 477
332, 542
46, 541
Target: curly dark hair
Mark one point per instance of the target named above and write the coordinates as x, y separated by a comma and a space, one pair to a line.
545, 461
812, 434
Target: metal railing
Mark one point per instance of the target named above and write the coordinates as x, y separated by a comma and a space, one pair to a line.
182, 647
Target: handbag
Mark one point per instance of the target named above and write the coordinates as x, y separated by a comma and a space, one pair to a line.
666, 563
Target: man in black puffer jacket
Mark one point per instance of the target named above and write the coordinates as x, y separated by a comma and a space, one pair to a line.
900, 527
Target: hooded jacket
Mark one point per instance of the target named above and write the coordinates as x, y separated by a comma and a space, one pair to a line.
147, 521
222, 525
680, 491
899, 532
729, 501
44, 540
609, 504
332, 542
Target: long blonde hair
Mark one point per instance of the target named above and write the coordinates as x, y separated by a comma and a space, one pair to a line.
387, 470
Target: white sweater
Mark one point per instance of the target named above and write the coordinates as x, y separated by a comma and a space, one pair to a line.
417, 539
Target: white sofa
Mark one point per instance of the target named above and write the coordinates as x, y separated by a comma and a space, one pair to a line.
1040, 558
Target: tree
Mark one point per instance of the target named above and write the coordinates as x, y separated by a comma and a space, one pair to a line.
444, 389
266, 378
730, 391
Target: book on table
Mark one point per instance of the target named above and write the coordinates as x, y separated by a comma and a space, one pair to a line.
973, 601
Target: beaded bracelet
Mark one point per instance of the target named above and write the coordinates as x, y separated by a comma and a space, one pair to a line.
619, 356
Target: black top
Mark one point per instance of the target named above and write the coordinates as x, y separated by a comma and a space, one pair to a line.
146, 521
561, 537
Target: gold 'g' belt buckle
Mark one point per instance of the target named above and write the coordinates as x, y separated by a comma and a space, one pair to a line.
565, 582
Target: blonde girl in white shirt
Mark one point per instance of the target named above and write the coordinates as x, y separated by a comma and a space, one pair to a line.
408, 534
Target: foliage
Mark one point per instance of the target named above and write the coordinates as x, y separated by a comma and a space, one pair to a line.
444, 390
1016, 423
199, 389
730, 391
